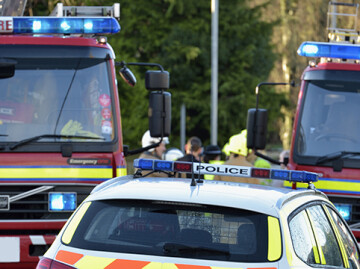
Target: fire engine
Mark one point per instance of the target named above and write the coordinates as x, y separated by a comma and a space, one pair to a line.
60, 125
325, 137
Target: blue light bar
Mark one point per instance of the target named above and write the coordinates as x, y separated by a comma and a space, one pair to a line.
329, 50
62, 201
227, 170
64, 25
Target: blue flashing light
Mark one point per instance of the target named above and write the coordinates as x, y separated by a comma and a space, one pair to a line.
163, 166
344, 210
65, 25
62, 201
144, 164
302, 176
280, 174
329, 50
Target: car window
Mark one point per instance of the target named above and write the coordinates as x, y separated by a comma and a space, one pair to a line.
348, 240
303, 238
174, 229
329, 249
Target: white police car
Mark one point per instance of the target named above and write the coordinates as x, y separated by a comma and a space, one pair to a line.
150, 223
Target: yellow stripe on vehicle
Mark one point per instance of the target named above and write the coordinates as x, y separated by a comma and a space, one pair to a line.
312, 239
153, 265
9, 173
121, 172
341, 186
321, 253
274, 239
338, 237
70, 229
91, 262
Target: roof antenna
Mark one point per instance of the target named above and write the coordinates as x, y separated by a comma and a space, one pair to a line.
193, 182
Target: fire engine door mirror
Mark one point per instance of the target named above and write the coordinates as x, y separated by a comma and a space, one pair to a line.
160, 114
257, 128
7, 68
157, 80
127, 76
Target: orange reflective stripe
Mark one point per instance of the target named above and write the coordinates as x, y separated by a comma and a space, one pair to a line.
68, 257
127, 264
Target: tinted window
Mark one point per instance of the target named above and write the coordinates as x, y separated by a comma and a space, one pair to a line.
325, 236
348, 241
302, 238
176, 230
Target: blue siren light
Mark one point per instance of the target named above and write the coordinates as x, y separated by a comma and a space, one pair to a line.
62, 201
329, 50
67, 25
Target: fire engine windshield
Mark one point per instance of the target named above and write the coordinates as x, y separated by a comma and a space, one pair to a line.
329, 120
57, 99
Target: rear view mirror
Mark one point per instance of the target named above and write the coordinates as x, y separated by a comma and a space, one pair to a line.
127, 76
159, 114
256, 128
157, 80
7, 68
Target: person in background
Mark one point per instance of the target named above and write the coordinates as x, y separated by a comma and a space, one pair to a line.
153, 153
238, 152
212, 155
193, 150
172, 154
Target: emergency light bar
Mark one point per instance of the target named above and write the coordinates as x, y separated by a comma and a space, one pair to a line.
62, 25
225, 170
329, 50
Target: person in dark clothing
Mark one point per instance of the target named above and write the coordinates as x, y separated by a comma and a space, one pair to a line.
193, 150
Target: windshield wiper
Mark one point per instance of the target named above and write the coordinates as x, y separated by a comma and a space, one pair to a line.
175, 249
38, 137
335, 156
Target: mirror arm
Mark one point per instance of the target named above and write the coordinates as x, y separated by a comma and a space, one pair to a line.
140, 150
267, 158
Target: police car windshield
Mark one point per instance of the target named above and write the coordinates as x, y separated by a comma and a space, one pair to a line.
174, 230
329, 120
59, 97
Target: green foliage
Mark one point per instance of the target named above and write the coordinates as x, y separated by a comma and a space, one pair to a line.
177, 34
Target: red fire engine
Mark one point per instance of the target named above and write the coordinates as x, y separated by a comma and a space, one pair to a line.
60, 126
325, 137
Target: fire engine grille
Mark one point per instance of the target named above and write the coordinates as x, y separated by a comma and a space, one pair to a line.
355, 207
35, 206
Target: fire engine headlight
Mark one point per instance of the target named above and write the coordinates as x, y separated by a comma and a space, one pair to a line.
62, 201
345, 210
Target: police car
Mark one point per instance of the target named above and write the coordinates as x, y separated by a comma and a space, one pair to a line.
146, 222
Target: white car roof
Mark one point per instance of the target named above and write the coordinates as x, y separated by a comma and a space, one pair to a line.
259, 198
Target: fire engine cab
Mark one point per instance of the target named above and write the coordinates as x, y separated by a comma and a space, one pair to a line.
325, 137
60, 125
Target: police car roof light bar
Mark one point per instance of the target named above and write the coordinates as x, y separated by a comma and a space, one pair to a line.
225, 170
329, 50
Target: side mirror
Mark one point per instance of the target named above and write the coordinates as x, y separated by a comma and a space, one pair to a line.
157, 80
7, 68
256, 128
160, 114
127, 76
